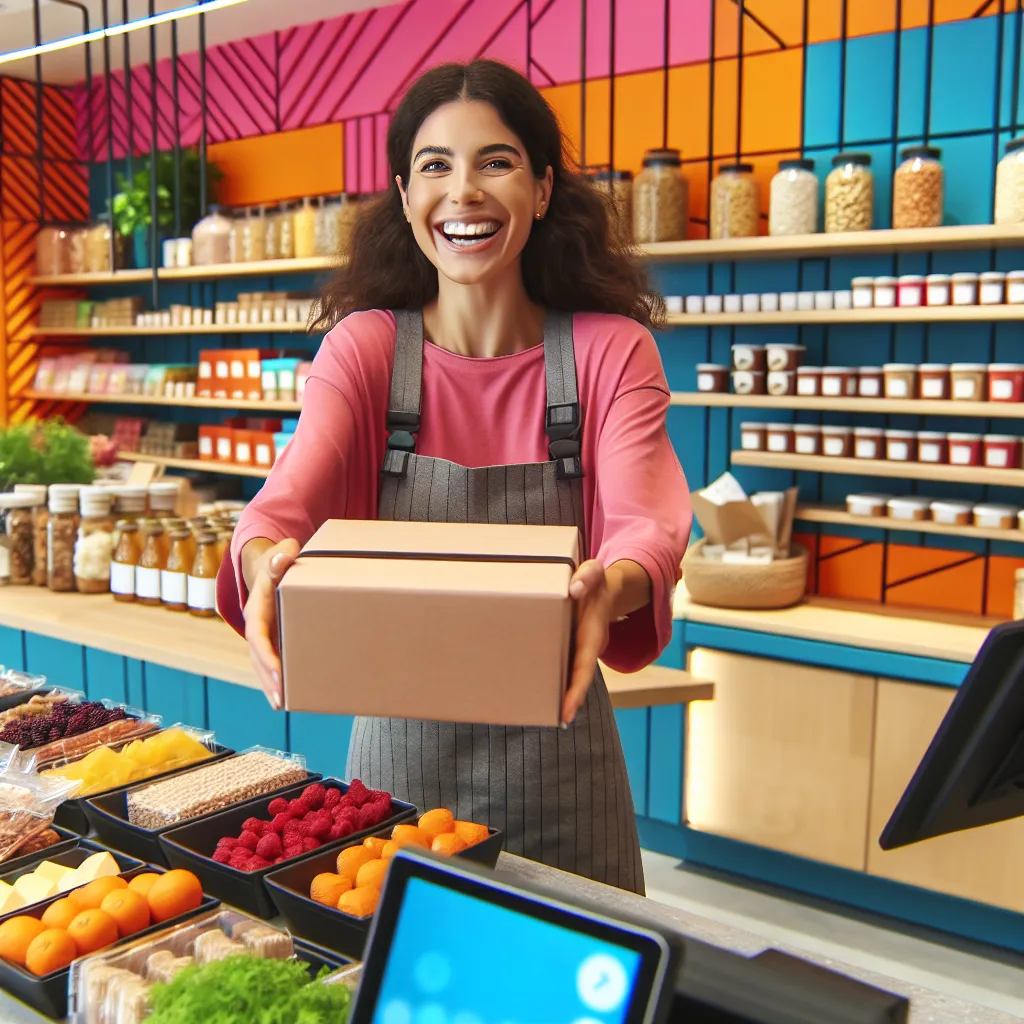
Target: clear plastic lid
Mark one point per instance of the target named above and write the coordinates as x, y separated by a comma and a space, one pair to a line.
910, 502
95, 501
64, 497
38, 492
12, 499
131, 499
996, 510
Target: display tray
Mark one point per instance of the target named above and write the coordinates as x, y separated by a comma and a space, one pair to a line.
14, 699
71, 814
108, 817
49, 993
289, 889
191, 846
68, 839
318, 957
70, 857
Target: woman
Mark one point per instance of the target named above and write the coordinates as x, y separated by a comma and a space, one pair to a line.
516, 383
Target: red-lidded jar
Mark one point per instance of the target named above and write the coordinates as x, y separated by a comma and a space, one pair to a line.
837, 442
1006, 382
932, 447
808, 381
965, 449
753, 437
712, 378
779, 437
807, 439
934, 380
868, 443
1002, 451
901, 445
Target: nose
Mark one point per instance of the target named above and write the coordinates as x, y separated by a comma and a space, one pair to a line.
464, 189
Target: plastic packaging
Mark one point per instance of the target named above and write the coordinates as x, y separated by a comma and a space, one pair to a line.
211, 239
661, 198
850, 193
735, 203
1009, 206
793, 199
917, 188
12, 681
27, 806
94, 546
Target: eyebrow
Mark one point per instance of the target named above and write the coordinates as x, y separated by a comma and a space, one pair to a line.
497, 147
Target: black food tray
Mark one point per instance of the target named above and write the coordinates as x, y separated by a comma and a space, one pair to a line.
108, 816
71, 857
14, 699
289, 889
49, 994
317, 957
71, 814
191, 846
67, 840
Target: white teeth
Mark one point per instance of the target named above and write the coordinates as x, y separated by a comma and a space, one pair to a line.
460, 229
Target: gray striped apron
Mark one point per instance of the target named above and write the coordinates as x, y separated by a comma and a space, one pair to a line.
561, 796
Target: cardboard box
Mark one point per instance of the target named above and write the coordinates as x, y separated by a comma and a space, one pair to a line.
454, 622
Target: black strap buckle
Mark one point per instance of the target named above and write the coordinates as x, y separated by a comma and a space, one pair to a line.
562, 421
402, 441
569, 468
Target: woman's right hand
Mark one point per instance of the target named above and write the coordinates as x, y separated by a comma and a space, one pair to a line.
260, 615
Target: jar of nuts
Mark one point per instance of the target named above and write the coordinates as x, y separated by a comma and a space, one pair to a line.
661, 198
850, 193
16, 542
40, 517
917, 188
1010, 184
617, 188
793, 199
735, 203
61, 533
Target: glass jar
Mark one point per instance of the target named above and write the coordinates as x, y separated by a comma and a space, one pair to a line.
285, 217
224, 534
40, 519
348, 212
61, 532
735, 203
94, 546
78, 241
304, 227
163, 498
617, 188
918, 188
793, 199
661, 198
254, 236
52, 251
174, 578
211, 239
327, 237
16, 538
126, 560
98, 244
238, 219
850, 193
202, 580
1009, 208
151, 564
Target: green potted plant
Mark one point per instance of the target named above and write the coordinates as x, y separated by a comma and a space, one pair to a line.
50, 452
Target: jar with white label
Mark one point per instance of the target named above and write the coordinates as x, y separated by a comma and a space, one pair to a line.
202, 580
900, 380
909, 508
808, 381
934, 379
781, 383
1015, 287
174, 577
16, 537
712, 378
807, 439
868, 443
996, 517
1001, 451
969, 382
869, 505
749, 357
870, 382
965, 449
932, 447
61, 531
936, 287
838, 381
901, 445
749, 382
753, 437
952, 513
125, 560
784, 357
837, 442
911, 289
964, 289
94, 546
885, 292
779, 437
151, 563
991, 288
863, 289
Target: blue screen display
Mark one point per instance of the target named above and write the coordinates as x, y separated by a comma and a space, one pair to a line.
456, 959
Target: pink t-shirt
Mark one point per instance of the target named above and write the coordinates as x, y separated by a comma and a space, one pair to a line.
486, 412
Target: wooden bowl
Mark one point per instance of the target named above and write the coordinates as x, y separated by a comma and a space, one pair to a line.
779, 584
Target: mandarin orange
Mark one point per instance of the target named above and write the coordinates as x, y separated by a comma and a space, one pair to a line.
61, 913
470, 832
410, 835
351, 859
447, 844
16, 935
327, 888
51, 950
437, 822
375, 844
361, 902
372, 873
130, 911
92, 930
90, 895
176, 892
143, 883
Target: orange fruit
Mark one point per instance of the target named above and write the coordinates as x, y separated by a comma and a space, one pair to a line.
176, 892
51, 950
327, 888
90, 895
361, 902
351, 859
438, 821
92, 930
130, 911
447, 844
390, 849
410, 835
143, 883
372, 873
60, 913
375, 844
470, 832
16, 935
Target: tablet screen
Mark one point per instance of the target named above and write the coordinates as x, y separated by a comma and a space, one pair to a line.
458, 959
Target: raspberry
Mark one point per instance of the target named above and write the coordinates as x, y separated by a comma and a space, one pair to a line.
293, 850
249, 840
299, 808
314, 795
222, 856
318, 828
227, 843
344, 828
251, 825
309, 843
367, 817
239, 858
348, 814
292, 830
349, 801
277, 806
379, 796
335, 833
280, 822
269, 846
358, 792
257, 864
332, 798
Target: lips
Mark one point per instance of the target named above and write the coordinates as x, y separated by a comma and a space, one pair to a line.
468, 234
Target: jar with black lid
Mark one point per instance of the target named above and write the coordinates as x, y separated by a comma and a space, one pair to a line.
617, 188
918, 188
661, 198
793, 199
735, 203
850, 193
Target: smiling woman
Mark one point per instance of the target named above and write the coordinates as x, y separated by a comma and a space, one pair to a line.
490, 362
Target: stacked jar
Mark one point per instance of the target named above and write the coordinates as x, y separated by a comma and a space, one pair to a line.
661, 198
735, 203
918, 188
16, 540
304, 224
793, 199
61, 533
94, 546
1009, 206
849, 193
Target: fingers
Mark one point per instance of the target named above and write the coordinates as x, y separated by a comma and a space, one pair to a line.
281, 558
587, 578
591, 638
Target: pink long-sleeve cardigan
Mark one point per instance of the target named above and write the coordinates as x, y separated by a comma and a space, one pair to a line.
482, 412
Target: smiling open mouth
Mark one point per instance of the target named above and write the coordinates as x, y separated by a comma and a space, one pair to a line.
466, 235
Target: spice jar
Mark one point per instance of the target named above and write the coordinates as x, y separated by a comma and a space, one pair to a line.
1001, 451
1015, 287
837, 442
238, 219
749, 357
900, 380
911, 289
901, 445
151, 563
712, 377
174, 577
304, 228
735, 204
952, 513
838, 381
964, 449
211, 239
870, 382
917, 188
808, 381
1009, 206
94, 545
40, 519
661, 198
991, 288
885, 292
749, 382
98, 244
964, 289
348, 213
807, 439
868, 443
327, 227
1006, 382
996, 517
793, 199
52, 251
285, 232
937, 289
934, 380
61, 533
125, 560
910, 508
254, 236
969, 382
16, 538
783, 357
779, 437
617, 188
869, 505
863, 290
849, 193
932, 447
202, 580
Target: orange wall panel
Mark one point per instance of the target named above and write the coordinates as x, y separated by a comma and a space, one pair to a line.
849, 569
688, 105
999, 585
639, 104
771, 101
935, 578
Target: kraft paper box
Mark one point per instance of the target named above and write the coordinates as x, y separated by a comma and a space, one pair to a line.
453, 622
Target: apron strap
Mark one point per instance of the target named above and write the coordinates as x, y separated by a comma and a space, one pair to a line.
403, 421
562, 420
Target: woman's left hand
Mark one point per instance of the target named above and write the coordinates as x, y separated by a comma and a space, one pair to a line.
589, 589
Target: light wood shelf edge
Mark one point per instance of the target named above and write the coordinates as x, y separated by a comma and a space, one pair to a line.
261, 268
165, 332
197, 465
905, 314
187, 403
655, 686
885, 406
840, 517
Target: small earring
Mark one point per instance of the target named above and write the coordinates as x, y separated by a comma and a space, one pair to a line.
539, 216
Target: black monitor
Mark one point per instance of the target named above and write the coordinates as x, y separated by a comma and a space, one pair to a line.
973, 771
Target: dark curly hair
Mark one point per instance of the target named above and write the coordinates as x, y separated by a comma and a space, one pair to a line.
574, 260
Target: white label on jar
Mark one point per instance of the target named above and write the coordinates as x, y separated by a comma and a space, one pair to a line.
938, 295
861, 298
777, 442
833, 445
960, 454
705, 382
5, 562
750, 441
205, 369
991, 294
202, 594
224, 448
964, 294
1015, 292
899, 451
742, 358
807, 385
988, 520
932, 388
147, 583
1001, 390
743, 382
255, 370
806, 444
206, 445
263, 455
122, 578
885, 297
222, 369
243, 453
930, 451
173, 587
865, 449
269, 379
996, 458
237, 369
286, 380
868, 387
779, 382
964, 389
832, 386
778, 359
895, 387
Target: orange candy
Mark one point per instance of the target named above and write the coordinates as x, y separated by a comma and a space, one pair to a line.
327, 888
410, 835
375, 844
16, 935
361, 902
176, 892
447, 844
61, 913
129, 910
92, 930
90, 896
470, 832
143, 883
51, 950
351, 859
372, 873
437, 822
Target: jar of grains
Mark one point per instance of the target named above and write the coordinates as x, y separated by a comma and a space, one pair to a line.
1010, 184
77, 256
94, 546
238, 219
62, 531
850, 193
52, 245
661, 198
735, 204
793, 199
285, 217
327, 226
348, 213
98, 244
304, 223
40, 519
211, 239
617, 188
917, 188
16, 542
254, 231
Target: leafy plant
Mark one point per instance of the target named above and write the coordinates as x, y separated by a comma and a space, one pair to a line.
51, 452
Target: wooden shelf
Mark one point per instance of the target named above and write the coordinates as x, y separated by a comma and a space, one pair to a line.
920, 633
887, 406
197, 465
840, 517
142, 332
881, 468
262, 268
185, 403
900, 315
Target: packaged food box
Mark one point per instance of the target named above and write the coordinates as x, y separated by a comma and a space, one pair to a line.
459, 601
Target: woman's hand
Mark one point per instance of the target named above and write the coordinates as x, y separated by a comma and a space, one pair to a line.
589, 589
260, 614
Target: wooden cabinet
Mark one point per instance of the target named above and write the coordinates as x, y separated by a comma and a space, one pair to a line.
782, 756
982, 864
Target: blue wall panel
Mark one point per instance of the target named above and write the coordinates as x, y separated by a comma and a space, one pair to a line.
665, 772
106, 676
12, 648
323, 739
242, 718
177, 696
61, 662
633, 731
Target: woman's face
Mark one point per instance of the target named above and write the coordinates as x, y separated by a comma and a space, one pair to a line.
472, 199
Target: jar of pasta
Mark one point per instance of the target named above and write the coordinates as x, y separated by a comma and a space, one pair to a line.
661, 198
238, 220
94, 546
850, 193
735, 204
1009, 207
793, 199
304, 225
918, 188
